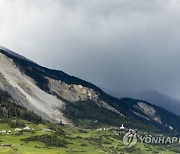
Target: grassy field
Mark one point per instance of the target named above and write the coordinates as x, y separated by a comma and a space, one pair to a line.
79, 141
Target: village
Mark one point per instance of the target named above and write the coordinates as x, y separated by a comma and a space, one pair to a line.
9, 132
117, 130
27, 128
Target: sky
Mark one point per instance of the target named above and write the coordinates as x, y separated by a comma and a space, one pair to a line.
119, 45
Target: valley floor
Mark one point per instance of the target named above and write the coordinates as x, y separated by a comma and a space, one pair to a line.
79, 141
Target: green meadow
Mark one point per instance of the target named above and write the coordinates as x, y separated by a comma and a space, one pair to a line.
76, 141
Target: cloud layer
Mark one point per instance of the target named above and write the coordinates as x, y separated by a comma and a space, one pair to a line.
122, 45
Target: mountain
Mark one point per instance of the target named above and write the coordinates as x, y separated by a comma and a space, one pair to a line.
60, 98
12, 53
153, 97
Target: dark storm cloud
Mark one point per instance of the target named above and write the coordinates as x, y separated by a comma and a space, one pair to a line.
123, 45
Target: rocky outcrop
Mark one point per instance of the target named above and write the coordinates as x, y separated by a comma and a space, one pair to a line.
75, 93
149, 111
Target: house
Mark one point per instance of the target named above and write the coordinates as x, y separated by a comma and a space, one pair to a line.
27, 128
18, 129
9, 132
100, 129
3, 131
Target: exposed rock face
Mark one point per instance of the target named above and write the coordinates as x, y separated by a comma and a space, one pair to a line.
24, 90
72, 92
75, 93
149, 111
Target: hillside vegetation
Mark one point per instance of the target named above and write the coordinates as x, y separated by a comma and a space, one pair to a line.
9, 110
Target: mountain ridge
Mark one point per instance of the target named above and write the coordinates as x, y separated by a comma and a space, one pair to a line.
154, 97
12, 53
81, 100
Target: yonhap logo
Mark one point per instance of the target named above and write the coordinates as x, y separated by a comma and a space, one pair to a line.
130, 139
159, 140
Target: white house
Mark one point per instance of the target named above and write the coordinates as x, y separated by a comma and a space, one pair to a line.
18, 129
9, 132
3, 131
100, 129
122, 127
27, 128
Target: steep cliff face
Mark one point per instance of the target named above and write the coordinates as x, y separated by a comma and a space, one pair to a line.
24, 90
